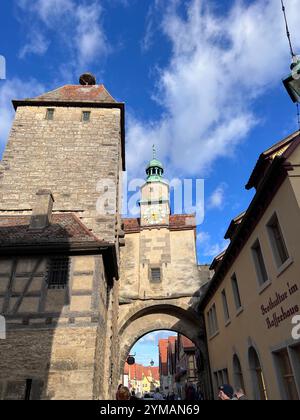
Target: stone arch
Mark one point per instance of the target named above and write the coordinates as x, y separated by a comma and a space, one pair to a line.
144, 319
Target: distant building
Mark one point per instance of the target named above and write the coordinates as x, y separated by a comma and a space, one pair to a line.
179, 365
163, 365
186, 365
141, 379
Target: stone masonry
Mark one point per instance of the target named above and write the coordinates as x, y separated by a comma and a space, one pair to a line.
63, 342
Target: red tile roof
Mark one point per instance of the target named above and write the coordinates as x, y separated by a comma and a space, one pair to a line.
187, 344
163, 355
64, 229
155, 373
137, 372
177, 222
76, 93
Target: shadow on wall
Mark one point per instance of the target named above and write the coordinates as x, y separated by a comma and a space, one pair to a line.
52, 321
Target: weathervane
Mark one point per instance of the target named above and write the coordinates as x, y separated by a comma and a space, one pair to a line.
154, 151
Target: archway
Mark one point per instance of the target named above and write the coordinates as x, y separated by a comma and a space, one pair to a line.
258, 379
164, 316
238, 373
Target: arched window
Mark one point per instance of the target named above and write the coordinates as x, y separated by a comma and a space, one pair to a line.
238, 374
258, 380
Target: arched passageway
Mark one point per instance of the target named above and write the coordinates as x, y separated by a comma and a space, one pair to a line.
164, 316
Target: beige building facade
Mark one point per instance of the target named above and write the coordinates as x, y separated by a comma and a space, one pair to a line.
254, 295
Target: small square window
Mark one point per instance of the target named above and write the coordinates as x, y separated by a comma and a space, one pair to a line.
155, 275
86, 115
50, 114
58, 273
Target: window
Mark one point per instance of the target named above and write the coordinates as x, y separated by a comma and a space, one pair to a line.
155, 275
225, 376
287, 375
259, 263
50, 114
236, 292
212, 321
28, 387
221, 377
58, 273
277, 241
192, 368
225, 306
86, 115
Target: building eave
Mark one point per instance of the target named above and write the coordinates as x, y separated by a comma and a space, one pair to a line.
107, 250
273, 180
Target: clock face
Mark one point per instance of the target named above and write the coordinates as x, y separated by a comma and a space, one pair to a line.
154, 215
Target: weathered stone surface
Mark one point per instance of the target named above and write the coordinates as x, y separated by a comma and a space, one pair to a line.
66, 156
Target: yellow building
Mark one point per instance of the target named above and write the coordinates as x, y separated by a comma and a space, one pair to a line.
253, 300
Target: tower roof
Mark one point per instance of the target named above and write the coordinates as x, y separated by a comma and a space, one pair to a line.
154, 169
154, 163
76, 93
88, 95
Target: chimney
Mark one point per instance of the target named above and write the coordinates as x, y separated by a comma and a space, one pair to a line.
42, 210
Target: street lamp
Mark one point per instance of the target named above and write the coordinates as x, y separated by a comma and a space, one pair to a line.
292, 82
131, 360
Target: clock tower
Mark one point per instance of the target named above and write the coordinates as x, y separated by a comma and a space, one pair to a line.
155, 203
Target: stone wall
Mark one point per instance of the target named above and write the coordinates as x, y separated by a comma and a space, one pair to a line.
68, 157
173, 251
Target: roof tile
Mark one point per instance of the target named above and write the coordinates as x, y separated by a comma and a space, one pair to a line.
64, 228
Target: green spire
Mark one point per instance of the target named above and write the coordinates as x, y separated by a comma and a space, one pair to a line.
154, 169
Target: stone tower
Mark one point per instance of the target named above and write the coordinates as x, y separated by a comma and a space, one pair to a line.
160, 282
69, 141
155, 205
59, 238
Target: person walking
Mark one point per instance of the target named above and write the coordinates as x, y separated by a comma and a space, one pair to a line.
157, 395
117, 393
226, 393
124, 394
240, 395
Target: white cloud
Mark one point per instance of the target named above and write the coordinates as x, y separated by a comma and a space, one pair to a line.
37, 45
92, 41
207, 247
217, 199
152, 25
219, 65
14, 89
77, 25
152, 338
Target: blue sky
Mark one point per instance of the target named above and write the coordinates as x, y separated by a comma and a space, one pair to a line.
200, 79
146, 349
